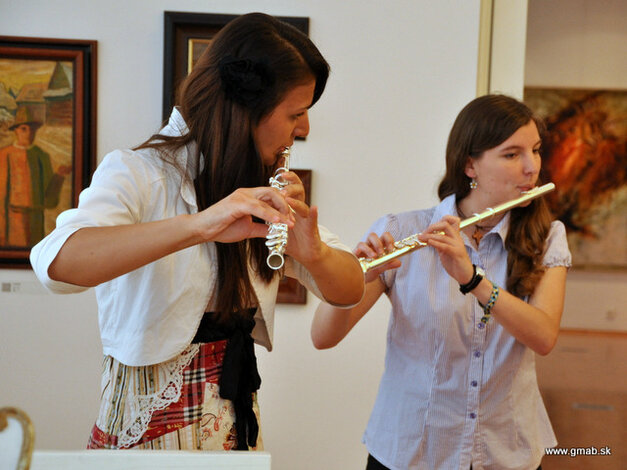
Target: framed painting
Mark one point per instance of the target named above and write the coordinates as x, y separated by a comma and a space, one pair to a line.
186, 36
47, 136
585, 155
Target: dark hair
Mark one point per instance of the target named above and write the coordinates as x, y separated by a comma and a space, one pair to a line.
483, 124
251, 64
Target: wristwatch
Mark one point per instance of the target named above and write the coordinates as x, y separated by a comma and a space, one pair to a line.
477, 275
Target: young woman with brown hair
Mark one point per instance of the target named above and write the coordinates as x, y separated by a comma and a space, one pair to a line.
459, 388
172, 234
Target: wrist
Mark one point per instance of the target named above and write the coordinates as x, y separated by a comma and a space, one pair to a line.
487, 308
477, 275
194, 231
315, 257
468, 277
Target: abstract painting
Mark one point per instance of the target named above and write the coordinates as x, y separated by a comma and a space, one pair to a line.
585, 155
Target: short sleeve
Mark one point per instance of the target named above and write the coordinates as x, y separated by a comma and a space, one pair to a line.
557, 252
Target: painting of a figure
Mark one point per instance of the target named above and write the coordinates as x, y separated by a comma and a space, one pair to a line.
36, 112
585, 155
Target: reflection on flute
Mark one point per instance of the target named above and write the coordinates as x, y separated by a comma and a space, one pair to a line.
411, 243
276, 240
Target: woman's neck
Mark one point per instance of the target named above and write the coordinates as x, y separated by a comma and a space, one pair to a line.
466, 208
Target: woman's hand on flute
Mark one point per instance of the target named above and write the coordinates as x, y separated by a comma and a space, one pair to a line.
231, 219
375, 247
446, 238
295, 188
303, 242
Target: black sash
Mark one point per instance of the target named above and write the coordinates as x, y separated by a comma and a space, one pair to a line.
239, 378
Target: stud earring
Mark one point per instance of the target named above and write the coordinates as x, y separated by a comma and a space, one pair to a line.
473, 183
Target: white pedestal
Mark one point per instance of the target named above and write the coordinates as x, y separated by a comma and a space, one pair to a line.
148, 460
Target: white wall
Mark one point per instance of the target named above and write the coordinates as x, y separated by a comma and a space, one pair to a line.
507, 59
582, 44
577, 44
401, 70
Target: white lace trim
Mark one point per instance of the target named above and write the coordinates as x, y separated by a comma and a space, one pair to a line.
142, 407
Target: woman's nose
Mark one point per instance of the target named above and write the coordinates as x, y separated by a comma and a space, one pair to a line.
302, 126
532, 163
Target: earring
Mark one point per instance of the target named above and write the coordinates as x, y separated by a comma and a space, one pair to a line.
473, 183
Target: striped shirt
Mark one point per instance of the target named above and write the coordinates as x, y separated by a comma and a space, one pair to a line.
455, 391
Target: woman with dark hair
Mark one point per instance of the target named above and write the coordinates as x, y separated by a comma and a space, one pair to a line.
459, 388
172, 234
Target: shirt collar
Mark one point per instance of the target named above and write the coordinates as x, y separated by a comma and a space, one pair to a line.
448, 206
176, 124
185, 157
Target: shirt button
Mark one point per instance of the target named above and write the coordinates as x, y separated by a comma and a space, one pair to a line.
477, 353
473, 415
473, 383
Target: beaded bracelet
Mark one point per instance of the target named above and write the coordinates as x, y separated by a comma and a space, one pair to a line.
488, 307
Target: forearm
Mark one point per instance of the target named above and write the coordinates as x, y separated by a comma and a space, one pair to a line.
535, 324
338, 275
93, 255
331, 324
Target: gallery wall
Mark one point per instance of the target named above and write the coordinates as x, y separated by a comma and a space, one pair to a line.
582, 44
401, 71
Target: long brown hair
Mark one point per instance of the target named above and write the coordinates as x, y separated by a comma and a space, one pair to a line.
251, 64
482, 124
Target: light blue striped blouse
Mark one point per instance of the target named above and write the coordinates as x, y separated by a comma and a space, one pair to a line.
454, 391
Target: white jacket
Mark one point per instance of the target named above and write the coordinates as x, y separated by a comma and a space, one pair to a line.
151, 314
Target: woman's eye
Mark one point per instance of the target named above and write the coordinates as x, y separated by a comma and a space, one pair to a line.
509, 155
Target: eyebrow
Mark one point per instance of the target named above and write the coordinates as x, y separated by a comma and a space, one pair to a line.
516, 147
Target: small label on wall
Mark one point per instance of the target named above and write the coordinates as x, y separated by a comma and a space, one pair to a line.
21, 287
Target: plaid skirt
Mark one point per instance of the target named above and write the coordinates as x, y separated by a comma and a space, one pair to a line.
175, 405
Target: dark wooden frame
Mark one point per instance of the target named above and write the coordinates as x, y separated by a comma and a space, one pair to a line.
83, 55
179, 28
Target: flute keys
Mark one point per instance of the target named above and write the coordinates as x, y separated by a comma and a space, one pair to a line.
276, 241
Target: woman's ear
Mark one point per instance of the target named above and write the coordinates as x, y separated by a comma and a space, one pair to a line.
469, 169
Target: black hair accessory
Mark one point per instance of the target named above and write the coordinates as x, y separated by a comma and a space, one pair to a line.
244, 80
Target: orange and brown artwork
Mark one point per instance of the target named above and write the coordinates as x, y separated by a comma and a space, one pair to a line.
585, 155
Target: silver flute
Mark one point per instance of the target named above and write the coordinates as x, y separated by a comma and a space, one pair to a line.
411, 243
276, 240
